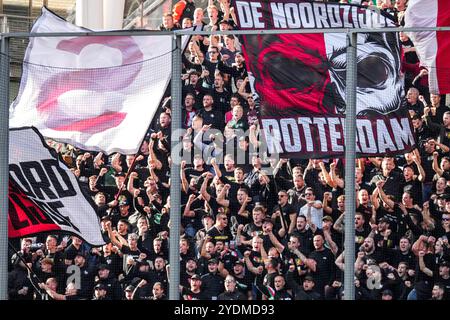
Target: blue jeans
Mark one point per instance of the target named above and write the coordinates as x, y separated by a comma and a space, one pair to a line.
427, 190
412, 295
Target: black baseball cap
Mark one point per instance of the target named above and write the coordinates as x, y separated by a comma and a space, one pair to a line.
103, 266
196, 277
100, 286
387, 292
130, 288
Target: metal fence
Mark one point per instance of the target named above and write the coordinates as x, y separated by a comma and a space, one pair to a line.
10, 38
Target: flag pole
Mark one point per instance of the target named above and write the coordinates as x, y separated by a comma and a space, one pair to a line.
30, 271
4, 165
350, 146
175, 180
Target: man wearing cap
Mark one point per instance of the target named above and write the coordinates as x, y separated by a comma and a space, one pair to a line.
100, 292
45, 270
195, 291
242, 278
384, 236
87, 274
130, 292
113, 289
306, 291
387, 295
212, 282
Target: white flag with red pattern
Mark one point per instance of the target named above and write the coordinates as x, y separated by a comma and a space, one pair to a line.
98, 93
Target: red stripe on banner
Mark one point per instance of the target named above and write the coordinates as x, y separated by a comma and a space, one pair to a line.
24, 216
443, 40
95, 125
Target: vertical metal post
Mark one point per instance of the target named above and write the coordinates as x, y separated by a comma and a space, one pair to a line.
4, 168
175, 180
350, 144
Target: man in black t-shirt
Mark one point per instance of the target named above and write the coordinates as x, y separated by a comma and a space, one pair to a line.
220, 231
304, 235
195, 291
323, 272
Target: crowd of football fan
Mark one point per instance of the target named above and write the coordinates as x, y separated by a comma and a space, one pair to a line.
247, 234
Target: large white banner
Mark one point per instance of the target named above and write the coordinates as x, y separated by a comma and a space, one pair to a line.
431, 47
44, 195
97, 93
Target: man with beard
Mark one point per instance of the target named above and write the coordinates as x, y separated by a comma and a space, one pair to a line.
219, 93
438, 292
361, 231
189, 270
304, 235
278, 291
211, 116
297, 193
87, 275
220, 231
157, 292
194, 292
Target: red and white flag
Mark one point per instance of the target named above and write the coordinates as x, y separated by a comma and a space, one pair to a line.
301, 78
44, 195
98, 93
432, 47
